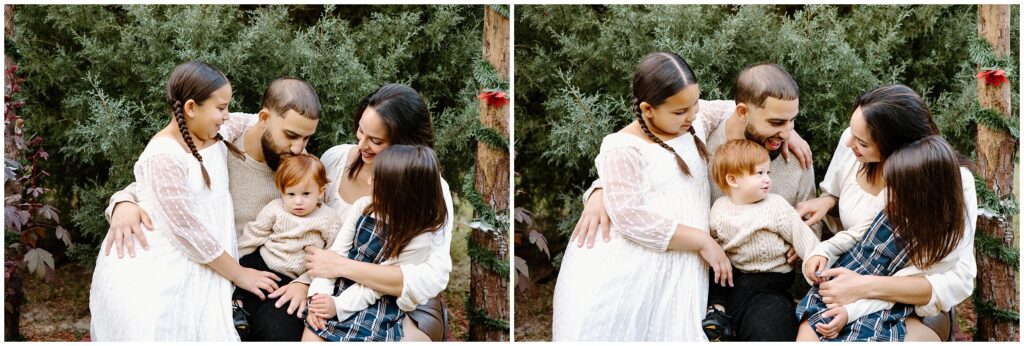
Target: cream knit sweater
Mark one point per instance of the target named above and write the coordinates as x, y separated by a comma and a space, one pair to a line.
755, 235
283, 236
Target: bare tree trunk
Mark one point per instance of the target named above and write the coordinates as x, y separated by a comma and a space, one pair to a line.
489, 291
996, 150
12, 301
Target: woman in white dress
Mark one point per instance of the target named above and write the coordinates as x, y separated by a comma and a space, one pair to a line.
883, 121
392, 114
649, 282
180, 290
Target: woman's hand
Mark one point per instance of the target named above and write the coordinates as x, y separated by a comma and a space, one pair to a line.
813, 267
294, 294
322, 306
718, 261
814, 210
322, 263
594, 219
799, 148
256, 281
124, 224
845, 287
839, 319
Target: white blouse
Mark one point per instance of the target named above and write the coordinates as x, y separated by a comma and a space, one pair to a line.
952, 279
421, 281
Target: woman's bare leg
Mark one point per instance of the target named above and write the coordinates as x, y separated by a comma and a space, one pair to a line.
917, 331
806, 333
412, 333
308, 335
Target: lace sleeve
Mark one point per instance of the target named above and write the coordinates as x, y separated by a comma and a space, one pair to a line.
168, 175
621, 172
715, 112
237, 124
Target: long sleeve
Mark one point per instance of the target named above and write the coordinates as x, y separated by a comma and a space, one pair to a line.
425, 280
258, 231
236, 125
168, 175
807, 191
357, 297
715, 112
839, 244
838, 168
341, 244
128, 194
621, 170
334, 159
793, 229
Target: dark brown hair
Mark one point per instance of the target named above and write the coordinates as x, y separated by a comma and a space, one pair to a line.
738, 156
407, 196
404, 115
896, 116
925, 199
296, 168
195, 80
659, 76
290, 93
760, 81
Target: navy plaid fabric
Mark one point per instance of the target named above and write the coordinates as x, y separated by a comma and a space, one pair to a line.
879, 253
382, 321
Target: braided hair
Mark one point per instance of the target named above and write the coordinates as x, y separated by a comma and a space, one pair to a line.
659, 76
195, 80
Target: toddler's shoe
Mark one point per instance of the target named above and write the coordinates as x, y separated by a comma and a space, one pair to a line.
716, 326
239, 315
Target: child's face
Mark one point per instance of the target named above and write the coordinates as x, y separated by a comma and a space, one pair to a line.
674, 116
302, 198
204, 120
752, 187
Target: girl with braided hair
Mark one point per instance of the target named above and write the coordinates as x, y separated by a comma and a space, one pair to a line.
179, 290
649, 282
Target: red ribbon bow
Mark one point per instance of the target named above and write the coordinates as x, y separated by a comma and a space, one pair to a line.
993, 77
496, 99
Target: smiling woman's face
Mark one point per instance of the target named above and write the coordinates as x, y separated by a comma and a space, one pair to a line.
864, 147
372, 135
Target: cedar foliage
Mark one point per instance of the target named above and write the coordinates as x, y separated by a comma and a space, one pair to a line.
98, 74
574, 64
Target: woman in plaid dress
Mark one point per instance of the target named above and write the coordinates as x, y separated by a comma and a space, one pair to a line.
387, 228
921, 224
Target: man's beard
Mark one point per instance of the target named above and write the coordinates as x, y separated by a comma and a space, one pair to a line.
759, 139
270, 153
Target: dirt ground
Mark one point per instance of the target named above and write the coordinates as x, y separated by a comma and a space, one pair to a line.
533, 313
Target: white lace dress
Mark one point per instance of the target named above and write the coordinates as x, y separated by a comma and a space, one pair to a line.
631, 288
167, 293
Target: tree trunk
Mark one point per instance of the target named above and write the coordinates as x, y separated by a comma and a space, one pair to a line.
996, 150
13, 295
489, 291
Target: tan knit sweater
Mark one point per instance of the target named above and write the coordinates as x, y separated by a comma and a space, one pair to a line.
755, 235
283, 236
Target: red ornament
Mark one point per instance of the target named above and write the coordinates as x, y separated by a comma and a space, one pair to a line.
993, 77
496, 99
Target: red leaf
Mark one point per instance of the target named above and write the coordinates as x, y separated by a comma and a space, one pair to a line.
993, 78
496, 99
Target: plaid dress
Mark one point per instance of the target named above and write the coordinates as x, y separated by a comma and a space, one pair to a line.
382, 321
879, 253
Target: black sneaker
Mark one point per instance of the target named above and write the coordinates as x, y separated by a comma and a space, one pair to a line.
241, 323
716, 326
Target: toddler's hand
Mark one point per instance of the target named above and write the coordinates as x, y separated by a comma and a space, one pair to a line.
315, 321
832, 329
813, 266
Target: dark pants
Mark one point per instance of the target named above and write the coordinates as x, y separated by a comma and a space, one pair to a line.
760, 305
267, 322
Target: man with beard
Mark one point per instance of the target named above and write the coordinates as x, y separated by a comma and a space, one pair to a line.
764, 111
290, 111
